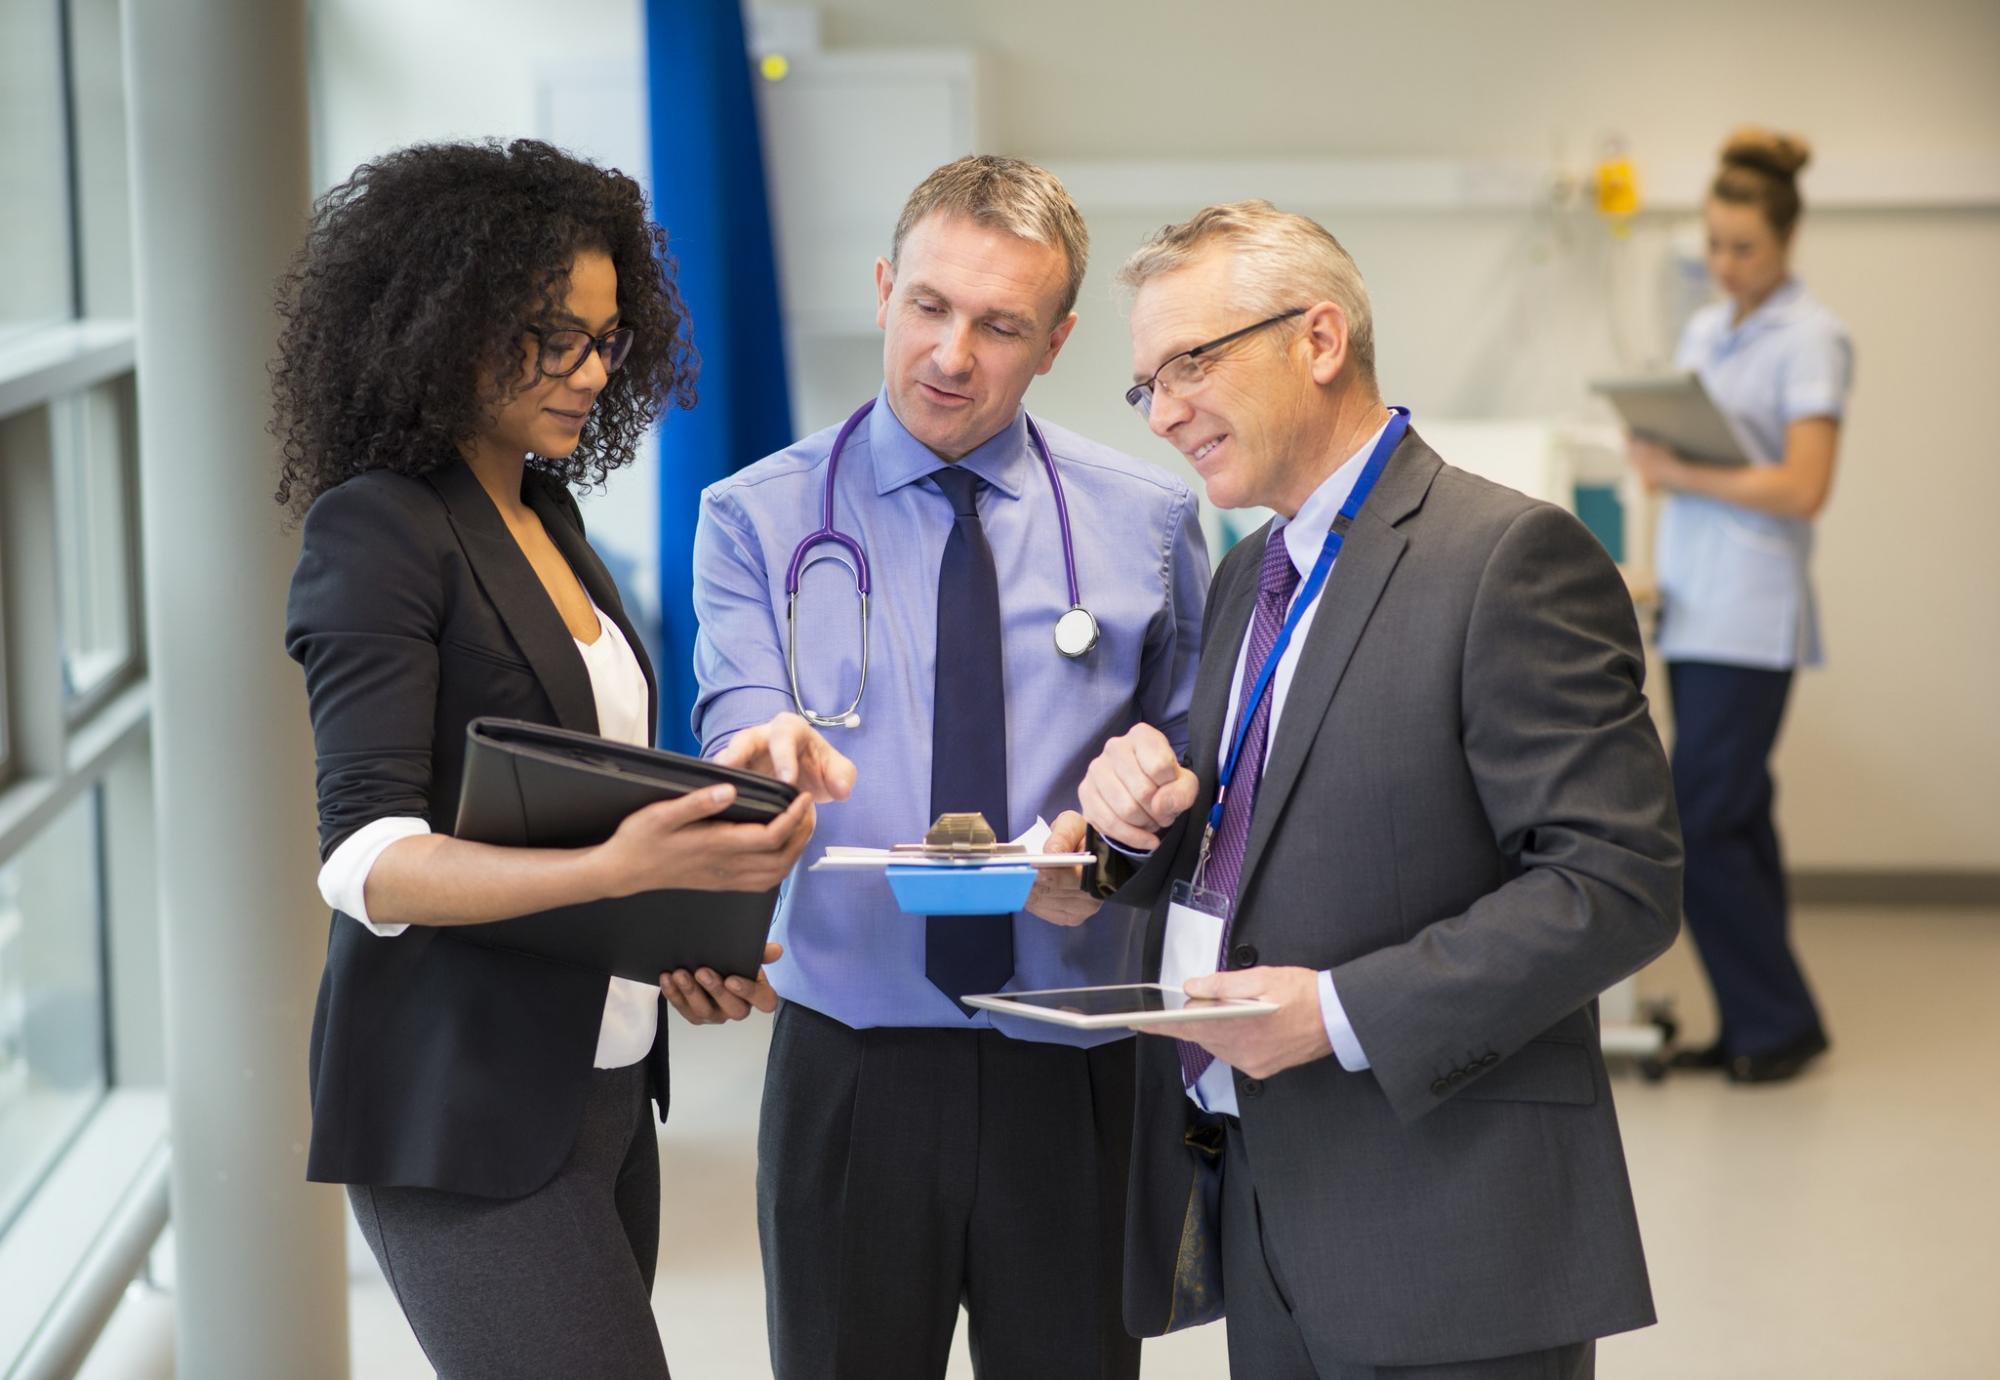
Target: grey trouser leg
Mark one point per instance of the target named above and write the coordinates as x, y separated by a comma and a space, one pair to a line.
901, 1172
1266, 1344
555, 1283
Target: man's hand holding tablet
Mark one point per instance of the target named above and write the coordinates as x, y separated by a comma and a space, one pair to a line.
1261, 1045
1139, 1005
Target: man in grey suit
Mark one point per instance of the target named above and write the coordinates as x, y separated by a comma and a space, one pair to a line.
1448, 827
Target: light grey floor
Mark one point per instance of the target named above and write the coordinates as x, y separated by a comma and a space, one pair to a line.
1844, 1227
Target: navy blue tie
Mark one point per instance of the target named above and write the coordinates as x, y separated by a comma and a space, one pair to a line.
968, 953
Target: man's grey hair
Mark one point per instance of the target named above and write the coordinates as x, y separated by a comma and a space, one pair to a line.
1282, 261
1007, 194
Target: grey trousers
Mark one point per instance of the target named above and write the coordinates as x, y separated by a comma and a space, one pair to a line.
558, 1283
1266, 1344
902, 1172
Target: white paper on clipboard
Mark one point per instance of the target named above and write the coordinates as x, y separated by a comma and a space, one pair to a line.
838, 858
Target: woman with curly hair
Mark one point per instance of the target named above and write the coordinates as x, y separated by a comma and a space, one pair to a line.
469, 330
1737, 612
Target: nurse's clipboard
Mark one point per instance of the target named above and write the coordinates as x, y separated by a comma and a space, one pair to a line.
532, 786
1676, 411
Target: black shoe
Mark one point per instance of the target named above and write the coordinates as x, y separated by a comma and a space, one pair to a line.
1709, 1058
1780, 1064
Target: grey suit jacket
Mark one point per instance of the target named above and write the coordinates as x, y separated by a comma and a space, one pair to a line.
1467, 816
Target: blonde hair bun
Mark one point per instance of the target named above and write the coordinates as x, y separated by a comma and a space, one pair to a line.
1766, 151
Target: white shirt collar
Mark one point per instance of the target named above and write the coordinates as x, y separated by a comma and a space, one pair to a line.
1774, 310
1306, 533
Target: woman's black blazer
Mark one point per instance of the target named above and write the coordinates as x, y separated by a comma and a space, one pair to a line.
434, 1062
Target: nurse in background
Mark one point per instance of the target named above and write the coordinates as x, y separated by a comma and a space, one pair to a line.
1737, 612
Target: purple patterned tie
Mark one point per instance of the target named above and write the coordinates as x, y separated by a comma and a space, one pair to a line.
1276, 583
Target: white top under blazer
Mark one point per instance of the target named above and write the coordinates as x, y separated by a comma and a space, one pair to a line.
631, 1009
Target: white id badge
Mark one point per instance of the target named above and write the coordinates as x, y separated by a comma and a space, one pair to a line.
1193, 945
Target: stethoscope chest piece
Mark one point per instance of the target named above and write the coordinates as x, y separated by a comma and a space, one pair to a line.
1076, 632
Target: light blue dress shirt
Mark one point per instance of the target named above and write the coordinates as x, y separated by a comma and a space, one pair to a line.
1142, 570
1303, 535
1736, 585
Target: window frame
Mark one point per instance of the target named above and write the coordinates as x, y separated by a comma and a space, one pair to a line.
80, 707
101, 1200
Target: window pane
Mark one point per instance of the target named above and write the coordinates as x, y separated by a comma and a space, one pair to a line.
97, 86
93, 557
52, 1058
35, 285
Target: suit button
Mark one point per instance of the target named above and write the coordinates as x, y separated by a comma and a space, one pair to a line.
1440, 1087
1243, 956
1456, 1077
1251, 1087
1489, 1061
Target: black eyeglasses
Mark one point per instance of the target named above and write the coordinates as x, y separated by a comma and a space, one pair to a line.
563, 351
1180, 375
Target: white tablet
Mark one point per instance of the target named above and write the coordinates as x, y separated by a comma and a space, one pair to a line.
1676, 411
1141, 1003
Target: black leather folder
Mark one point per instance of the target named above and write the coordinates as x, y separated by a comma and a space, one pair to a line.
529, 785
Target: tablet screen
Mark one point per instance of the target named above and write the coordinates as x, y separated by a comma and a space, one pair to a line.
1085, 1001
1116, 1001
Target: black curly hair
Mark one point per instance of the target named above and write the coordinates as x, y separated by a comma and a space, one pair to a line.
415, 281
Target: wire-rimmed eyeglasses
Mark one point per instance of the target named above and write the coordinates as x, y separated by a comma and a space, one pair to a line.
1179, 376
563, 350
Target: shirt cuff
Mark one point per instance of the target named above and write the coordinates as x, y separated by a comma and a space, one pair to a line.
1115, 846
343, 878
1812, 402
1339, 1031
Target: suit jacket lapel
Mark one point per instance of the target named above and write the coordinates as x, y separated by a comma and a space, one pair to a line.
1367, 559
516, 593
561, 523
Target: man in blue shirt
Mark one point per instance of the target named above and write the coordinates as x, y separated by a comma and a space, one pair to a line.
915, 1153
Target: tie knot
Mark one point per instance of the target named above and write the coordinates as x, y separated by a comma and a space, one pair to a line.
1279, 577
961, 487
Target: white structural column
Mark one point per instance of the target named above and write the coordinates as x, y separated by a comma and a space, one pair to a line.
221, 187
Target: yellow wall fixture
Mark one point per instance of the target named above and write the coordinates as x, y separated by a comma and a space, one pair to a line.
774, 66
1617, 188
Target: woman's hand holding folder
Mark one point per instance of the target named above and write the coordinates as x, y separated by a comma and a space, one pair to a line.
672, 846
435, 879
669, 847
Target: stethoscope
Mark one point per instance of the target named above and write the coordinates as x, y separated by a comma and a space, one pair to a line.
1076, 630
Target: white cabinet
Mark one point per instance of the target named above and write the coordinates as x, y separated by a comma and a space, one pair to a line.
1576, 465
846, 138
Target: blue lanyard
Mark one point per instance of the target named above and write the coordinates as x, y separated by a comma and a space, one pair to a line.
1336, 537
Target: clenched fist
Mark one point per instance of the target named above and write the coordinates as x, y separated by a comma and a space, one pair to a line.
1136, 788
